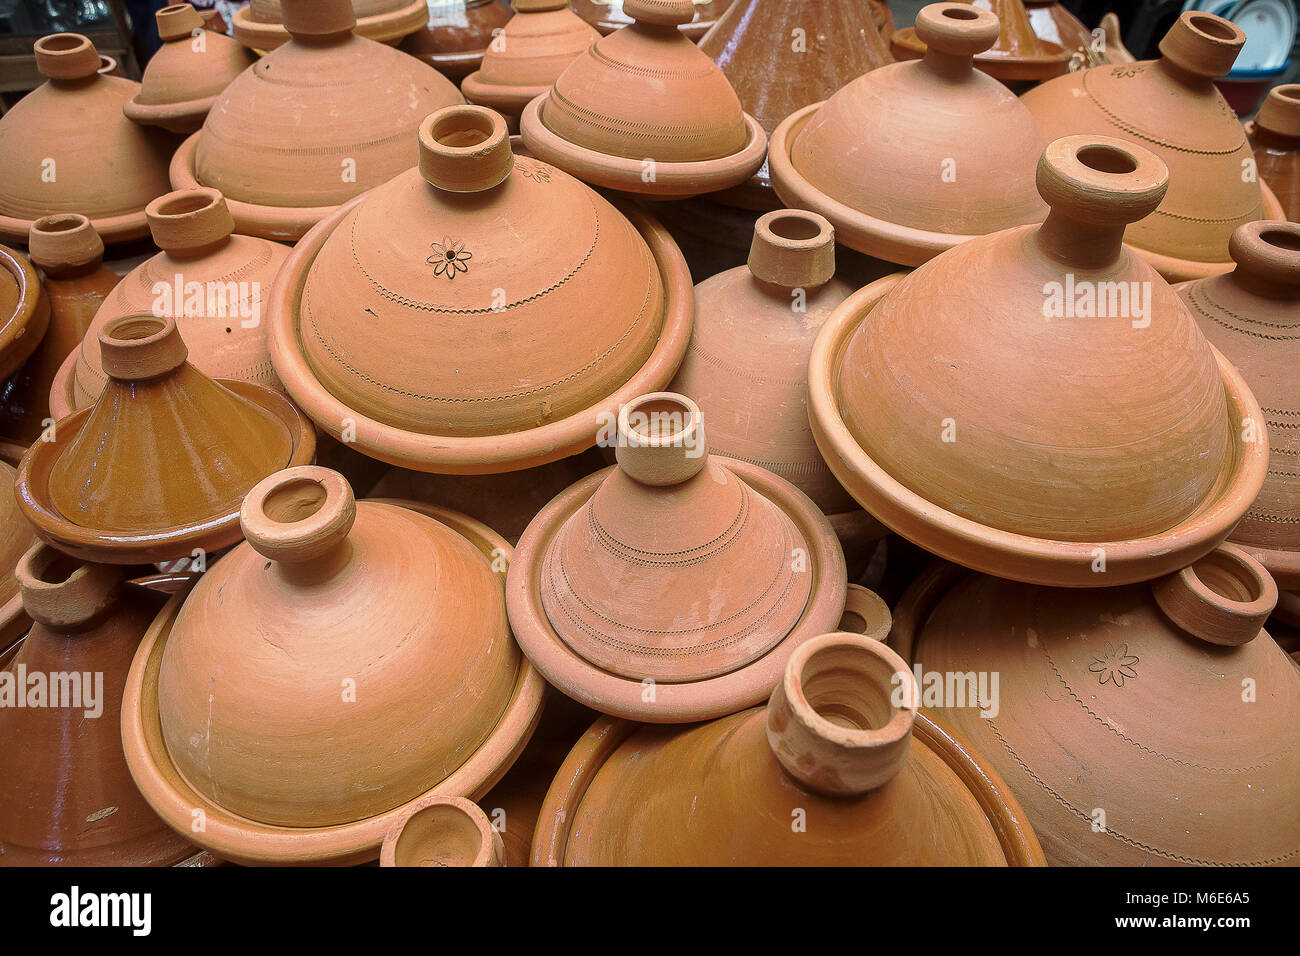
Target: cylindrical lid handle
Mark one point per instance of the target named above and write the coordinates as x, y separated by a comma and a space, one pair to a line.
1280, 113
1224, 598
465, 149
1100, 180
189, 219
1203, 44
141, 346
177, 21
1267, 254
298, 514
793, 249
957, 29
62, 592
661, 439
66, 56
662, 13
64, 241
317, 18
442, 831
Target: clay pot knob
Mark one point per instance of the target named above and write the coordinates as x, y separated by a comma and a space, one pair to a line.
660, 13
317, 18
66, 56
298, 514
64, 241
956, 29
1100, 180
108, 66
835, 722
465, 149
1203, 44
1267, 254
177, 21
189, 220
63, 592
443, 831
1280, 113
661, 439
866, 613
793, 249
141, 346
1224, 598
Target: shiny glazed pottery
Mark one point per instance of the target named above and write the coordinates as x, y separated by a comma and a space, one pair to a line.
1164, 707
260, 25
67, 148
68, 798
1137, 457
915, 158
689, 574
482, 313
1274, 134
311, 125
1172, 107
608, 16
456, 34
442, 831
877, 782
367, 664
1019, 53
24, 311
644, 111
16, 536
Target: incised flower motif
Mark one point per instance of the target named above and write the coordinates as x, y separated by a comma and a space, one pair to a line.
1115, 665
449, 257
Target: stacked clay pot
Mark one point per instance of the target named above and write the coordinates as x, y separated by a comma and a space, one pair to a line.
67, 148
1020, 54
24, 311
456, 35
1274, 135
607, 16
261, 24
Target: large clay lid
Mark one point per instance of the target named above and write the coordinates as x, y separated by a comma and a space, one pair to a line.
644, 111
1165, 706
1111, 448
24, 310
914, 158
1019, 53
841, 742
607, 16
1172, 107
261, 24
457, 33
214, 284
311, 125
445, 320
688, 573
159, 464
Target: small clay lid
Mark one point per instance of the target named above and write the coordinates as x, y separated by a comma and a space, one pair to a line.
1018, 54
63, 242
1280, 112
443, 831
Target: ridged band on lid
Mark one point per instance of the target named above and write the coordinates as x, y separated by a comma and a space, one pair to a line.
443, 831
793, 248
1224, 598
1101, 180
141, 346
189, 219
320, 18
956, 29
1203, 44
1280, 113
298, 514
661, 13
465, 149
64, 240
63, 592
1268, 252
66, 56
177, 21
661, 439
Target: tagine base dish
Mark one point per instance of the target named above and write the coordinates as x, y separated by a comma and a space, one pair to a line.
507, 99
1175, 269
176, 117
385, 27
905, 45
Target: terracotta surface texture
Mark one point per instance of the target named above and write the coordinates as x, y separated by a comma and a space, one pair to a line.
261, 24
456, 34
1020, 53
1274, 134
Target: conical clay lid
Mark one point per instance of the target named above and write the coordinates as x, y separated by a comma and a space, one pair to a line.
1020, 53
610, 16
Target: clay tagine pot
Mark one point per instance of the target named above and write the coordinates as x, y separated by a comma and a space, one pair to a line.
837, 747
68, 798
66, 148
607, 16
1274, 134
915, 158
1172, 107
1053, 23
158, 466
16, 536
673, 586
190, 69
1089, 721
311, 125
442, 831
261, 24
444, 321
1019, 54
1135, 461
541, 39
644, 111
24, 311
213, 283
1252, 315
366, 665
781, 55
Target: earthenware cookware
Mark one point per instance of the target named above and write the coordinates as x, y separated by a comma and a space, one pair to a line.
261, 24
608, 16
1020, 53
442, 831
24, 310
16, 536
456, 34
1274, 134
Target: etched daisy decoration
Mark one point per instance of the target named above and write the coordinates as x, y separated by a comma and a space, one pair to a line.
1114, 666
449, 257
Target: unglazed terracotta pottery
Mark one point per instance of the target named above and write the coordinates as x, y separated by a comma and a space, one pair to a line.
1019, 54
673, 586
68, 798
187, 73
644, 111
875, 781
607, 16
158, 466
367, 664
66, 148
311, 125
1274, 134
1122, 451
24, 310
16, 536
456, 34
482, 313
541, 39
442, 831
261, 24
1252, 315
1089, 721
214, 284
915, 158
1172, 107
781, 55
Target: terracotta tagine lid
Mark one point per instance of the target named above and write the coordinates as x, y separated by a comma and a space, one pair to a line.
68, 798
541, 39
673, 586
261, 24
608, 16
781, 55
16, 536
839, 769
158, 466
456, 34
410, 324
442, 831
1274, 134
1019, 53
1089, 722
367, 664
1252, 315
24, 310
1172, 107
311, 125
915, 158
645, 111
1134, 461
66, 148
213, 283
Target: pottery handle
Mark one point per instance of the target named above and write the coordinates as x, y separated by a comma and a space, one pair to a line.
66, 56
189, 221
141, 346
178, 21
660, 13
1224, 598
64, 241
1100, 180
465, 149
793, 249
317, 18
442, 831
1202, 44
1267, 255
956, 29
1280, 114
661, 439
63, 592
299, 514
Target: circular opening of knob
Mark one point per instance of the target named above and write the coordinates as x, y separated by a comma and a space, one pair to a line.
189, 219
1269, 253
465, 149
956, 29
1203, 44
1107, 159
1223, 598
141, 346
448, 832
1216, 29
661, 439
792, 248
64, 240
1101, 180
848, 687
299, 513
66, 56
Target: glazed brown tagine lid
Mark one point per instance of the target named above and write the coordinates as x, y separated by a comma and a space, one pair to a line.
367, 664
1089, 721
1139, 456
1172, 107
608, 16
190, 69
442, 831
158, 466
1019, 53
1274, 134
68, 798
261, 24
213, 283
541, 39
915, 158
16, 536
644, 111
456, 35
311, 125
482, 313
841, 746
24, 310
674, 585
1252, 315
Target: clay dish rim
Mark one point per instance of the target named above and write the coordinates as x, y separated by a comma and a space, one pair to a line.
383, 27
905, 45
1175, 269
184, 117
61, 386
22, 331
113, 229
